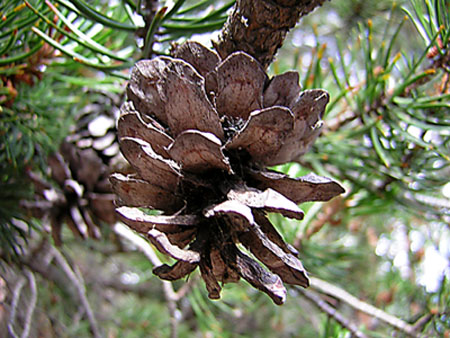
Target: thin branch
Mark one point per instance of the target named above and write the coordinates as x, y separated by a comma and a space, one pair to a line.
80, 290
172, 306
144, 246
354, 302
140, 290
184, 290
79, 275
31, 305
40, 262
332, 312
138, 241
422, 321
14, 303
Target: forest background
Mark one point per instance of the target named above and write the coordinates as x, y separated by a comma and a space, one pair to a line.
378, 255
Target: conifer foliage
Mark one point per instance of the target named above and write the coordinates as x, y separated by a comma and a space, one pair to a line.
118, 126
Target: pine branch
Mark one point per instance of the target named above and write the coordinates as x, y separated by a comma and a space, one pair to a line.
332, 312
260, 27
357, 304
31, 305
81, 290
169, 293
14, 305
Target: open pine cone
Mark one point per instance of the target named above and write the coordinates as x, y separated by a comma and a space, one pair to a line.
80, 194
199, 132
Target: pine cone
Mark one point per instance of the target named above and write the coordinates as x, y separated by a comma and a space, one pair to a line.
82, 196
199, 132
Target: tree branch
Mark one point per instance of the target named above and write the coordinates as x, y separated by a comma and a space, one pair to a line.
31, 305
144, 246
260, 27
332, 312
62, 262
357, 304
14, 304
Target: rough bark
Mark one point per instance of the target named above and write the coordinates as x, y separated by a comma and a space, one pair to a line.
259, 27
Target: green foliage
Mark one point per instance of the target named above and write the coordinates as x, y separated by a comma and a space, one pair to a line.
33, 123
71, 28
386, 137
30, 129
13, 190
388, 122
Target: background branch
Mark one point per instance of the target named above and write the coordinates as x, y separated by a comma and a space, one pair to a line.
145, 247
14, 305
62, 262
332, 312
357, 304
32, 304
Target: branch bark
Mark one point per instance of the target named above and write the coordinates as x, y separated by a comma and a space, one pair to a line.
31, 305
169, 293
334, 291
332, 312
81, 290
14, 305
260, 27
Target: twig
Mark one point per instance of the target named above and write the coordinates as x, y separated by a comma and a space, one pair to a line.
79, 275
14, 303
332, 312
31, 305
140, 290
170, 295
80, 290
172, 306
354, 302
422, 321
182, 291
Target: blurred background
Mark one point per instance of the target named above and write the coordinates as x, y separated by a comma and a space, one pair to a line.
379, 255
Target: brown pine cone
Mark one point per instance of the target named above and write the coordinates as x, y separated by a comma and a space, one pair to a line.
80, 195
199, 132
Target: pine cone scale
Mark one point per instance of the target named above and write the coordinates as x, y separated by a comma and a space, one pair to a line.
282, 90
308, 188
143, 223
264, 134
253, 273
240, 85
136, 192
186, 104
201, 58
271, 233
164, 245
208, 276
285, 265
150, 166
131, 124
177, 271
144, 87
268, 200
199, 152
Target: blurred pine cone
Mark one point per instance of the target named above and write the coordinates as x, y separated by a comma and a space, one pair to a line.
81, 195
199, 132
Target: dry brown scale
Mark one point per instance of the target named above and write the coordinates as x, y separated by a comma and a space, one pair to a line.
199, 132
